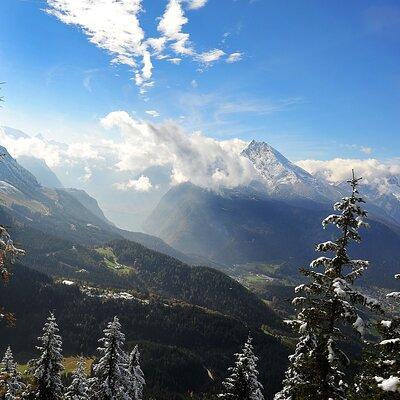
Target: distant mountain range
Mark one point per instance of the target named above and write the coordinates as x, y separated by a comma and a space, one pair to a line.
38, 167
276, 219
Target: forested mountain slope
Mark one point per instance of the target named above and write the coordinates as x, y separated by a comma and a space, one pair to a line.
243, 226
184, 348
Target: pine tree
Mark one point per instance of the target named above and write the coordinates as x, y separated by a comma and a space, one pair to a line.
48, 367
329, 301
11, 380
136, 376
243, 382
380, 376
110, 381
8, 364
79, 388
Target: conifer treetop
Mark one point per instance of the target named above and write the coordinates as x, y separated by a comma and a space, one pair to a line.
243, 384
326, 303
388, 362
8, 364
48, 367
136, 379
111, 371
79, 388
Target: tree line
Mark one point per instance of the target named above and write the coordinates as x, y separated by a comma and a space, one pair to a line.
115, 375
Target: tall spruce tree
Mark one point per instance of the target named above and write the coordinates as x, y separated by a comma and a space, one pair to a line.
380, 375
136, 376
11, 380
329, 302
111, 376
79, 388
48, 367
243, 384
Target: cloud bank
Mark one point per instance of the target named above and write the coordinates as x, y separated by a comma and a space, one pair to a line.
338, 170
139, 145
202, 160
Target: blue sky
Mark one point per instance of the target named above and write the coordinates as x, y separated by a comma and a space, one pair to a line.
316, 79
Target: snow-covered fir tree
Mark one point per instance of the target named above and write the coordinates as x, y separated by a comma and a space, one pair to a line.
14, 387
11, 381
111, 375
328, 302
7, 363
389, 378
136, 376
79, 388
48, 367
380, 376
243, 384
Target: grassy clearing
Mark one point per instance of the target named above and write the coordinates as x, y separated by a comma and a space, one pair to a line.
69, 365
111, 261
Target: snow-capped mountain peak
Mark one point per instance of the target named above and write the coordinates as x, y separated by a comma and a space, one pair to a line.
282, 178
272, 165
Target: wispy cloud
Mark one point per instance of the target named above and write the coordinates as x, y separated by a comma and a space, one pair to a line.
196, 4
258, 107
234, 57
111, 25
153, 113
211, 56
115, 26
366, 150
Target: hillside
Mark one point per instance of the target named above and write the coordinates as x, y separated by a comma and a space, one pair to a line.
64, 213
179, 342
145, 272
38, 167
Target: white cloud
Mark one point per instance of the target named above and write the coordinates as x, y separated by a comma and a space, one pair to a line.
153, 113
196, 4
88, 174
202, 160
234, 57
211, 56
366, 150
137, 145
175, 61
194, 83
112, 25
170, 26
142, 184
157, 44
338, 170
52, 152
